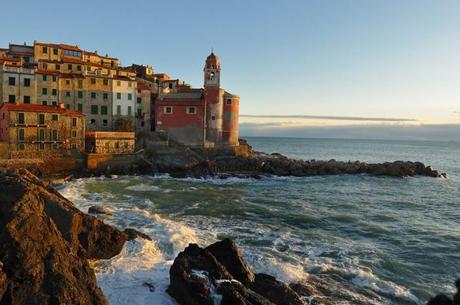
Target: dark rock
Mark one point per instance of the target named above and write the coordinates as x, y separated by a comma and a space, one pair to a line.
150, 286
441, 299
40, 265
133, 234
234, 293
185, 285
97, 209
275, 291
228, 254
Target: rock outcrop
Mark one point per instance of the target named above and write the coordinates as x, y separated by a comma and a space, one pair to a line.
202, 163
219, 275
44, 245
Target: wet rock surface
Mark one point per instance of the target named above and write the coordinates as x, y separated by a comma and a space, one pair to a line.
98, 209
133, 234
210, 276
44, 245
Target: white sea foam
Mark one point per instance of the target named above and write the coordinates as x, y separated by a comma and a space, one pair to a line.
143, 188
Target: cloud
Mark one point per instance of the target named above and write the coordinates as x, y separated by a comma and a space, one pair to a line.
337, 118
428, 132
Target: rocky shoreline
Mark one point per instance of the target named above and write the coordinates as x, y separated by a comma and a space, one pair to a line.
47, 245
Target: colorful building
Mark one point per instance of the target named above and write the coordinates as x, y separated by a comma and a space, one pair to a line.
41, 131
199, 117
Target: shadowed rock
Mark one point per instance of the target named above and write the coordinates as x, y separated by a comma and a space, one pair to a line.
211, 276
40, 266
443, 299
133, 234
98, 209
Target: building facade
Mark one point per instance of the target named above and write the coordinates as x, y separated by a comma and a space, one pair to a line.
33, 131
110, 142
199, 117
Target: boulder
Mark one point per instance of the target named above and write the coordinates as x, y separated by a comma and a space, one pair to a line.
133, 234
187, 283
98, 209
39, 265
219, 275
228, 254
275, 291
440, 299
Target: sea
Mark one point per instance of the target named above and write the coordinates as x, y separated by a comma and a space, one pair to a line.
395, 239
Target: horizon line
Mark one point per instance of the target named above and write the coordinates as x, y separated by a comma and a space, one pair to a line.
327, 117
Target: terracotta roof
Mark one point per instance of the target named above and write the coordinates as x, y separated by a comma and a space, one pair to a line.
39, 108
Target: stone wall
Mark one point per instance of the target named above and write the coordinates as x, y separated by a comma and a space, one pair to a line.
116, 162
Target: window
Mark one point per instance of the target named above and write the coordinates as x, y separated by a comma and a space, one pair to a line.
67, 81
26, 82
44, 103
191, 110
118, 96
45, 78
117, 145
107, 145
44, 91
74, 134
67, 106
54, 117
74, 122
105, 96
67, 93
58, 67
118, 83
21, 118
26, 99
55, 79
54, 135
139, 100
94, 109
12, 81
104, 110
54, 103
80, 94
74, 146
45, 66
228, 102
130, 96
139, 112
54, 92
79, 67
118, 109
106, 81
41, 134
93, 95
80, 107
69, 67
130, 110
12, 98
80, 84
41, 119
21, 136
44, 50
170, 86
21, 146
93, 121
26, 60
105, 123
93, 81
168, 109
55, 51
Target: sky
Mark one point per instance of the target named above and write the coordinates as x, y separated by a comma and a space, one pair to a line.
301, 67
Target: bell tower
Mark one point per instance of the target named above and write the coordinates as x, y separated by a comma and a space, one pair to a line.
213, 100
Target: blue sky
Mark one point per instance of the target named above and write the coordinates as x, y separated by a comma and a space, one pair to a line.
384, 59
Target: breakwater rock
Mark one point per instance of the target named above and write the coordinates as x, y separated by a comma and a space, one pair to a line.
443, 299
200, 163
45, 243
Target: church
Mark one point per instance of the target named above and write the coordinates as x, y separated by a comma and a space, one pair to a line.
206, 117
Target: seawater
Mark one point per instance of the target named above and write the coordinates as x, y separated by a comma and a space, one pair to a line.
398, 239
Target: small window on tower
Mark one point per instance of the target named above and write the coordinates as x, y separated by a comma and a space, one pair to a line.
229, 101
212, 76
168, 109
